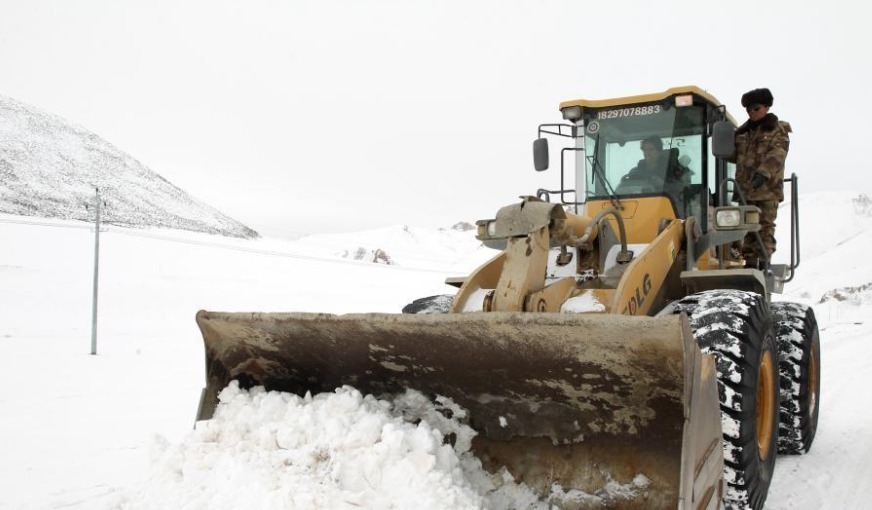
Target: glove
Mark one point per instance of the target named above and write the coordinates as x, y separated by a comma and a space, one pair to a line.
758, 180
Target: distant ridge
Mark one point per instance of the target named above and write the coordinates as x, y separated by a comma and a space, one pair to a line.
50, 168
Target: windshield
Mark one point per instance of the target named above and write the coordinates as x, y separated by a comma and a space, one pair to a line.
641, 150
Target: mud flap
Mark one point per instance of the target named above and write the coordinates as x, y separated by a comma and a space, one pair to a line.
568, 399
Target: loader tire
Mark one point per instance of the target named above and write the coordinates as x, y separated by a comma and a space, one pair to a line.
430, 305
799, 351
735, 327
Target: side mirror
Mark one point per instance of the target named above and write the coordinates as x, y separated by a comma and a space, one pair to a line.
540, 154
723, 139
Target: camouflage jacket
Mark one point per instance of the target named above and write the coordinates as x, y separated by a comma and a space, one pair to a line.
762, 147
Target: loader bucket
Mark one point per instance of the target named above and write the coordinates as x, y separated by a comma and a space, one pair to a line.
580, 401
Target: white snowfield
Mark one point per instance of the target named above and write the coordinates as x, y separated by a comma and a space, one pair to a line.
116, 430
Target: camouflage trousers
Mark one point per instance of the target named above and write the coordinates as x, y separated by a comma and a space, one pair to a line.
751, 251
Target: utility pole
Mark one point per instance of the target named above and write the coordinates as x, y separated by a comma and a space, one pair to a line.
96, 272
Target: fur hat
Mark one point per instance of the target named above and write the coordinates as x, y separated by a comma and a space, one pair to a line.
757, 96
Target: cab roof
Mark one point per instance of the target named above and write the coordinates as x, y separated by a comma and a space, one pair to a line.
646, 98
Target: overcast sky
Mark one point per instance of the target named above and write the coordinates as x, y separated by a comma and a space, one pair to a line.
297, 117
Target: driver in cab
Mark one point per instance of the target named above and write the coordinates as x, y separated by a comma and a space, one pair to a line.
658, 169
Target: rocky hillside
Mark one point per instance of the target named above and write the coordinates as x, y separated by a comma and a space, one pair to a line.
50, 168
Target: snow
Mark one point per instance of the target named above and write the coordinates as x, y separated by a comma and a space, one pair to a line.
586, 302
339, 450
117, 430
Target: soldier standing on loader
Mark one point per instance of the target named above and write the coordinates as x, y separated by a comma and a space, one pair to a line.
761, 149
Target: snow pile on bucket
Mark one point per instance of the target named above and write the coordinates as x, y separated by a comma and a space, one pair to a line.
338, 450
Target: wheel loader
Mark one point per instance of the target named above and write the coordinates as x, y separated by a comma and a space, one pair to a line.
613, 339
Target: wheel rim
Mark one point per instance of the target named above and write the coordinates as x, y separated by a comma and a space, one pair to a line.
812, 383
765, 401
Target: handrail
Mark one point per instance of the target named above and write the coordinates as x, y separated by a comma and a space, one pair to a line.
794, 225
794, 222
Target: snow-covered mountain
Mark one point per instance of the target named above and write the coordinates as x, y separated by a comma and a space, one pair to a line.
50, 168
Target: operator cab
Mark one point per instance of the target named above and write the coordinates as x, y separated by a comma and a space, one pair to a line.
648, 146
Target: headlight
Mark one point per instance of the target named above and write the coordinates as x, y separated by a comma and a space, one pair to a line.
572, 113
738, 217
487, 229
492, 228
728, 218
684, 100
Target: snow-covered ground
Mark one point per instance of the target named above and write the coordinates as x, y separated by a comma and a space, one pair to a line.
116, 430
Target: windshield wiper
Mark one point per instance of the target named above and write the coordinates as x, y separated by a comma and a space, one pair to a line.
598, 172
